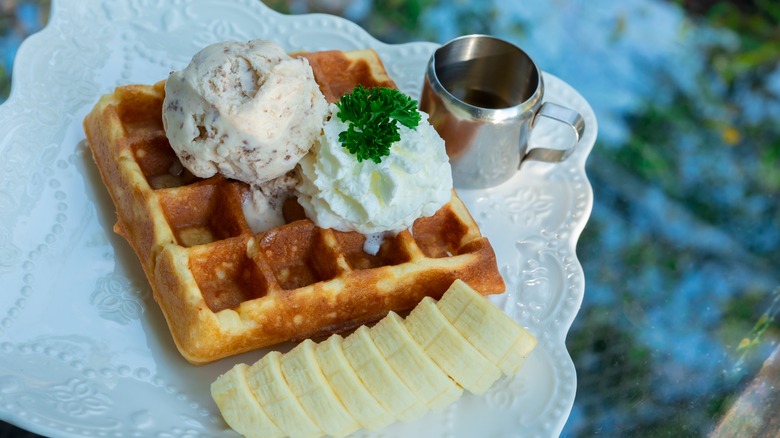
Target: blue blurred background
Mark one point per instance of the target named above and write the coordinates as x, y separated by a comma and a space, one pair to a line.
680, 255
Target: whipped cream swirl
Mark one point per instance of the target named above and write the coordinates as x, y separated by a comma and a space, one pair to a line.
337, 191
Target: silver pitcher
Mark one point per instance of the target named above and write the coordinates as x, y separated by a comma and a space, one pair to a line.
484, 96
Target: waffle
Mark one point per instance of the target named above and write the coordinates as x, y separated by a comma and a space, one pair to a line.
224, 290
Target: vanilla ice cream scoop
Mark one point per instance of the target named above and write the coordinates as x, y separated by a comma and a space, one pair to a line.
338, 191
247, 111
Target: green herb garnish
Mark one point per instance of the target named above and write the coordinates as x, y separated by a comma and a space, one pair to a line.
372, 115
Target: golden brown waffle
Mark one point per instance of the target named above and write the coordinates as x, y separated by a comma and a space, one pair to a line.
224, 290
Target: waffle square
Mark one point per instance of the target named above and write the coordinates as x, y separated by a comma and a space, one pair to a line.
224, 290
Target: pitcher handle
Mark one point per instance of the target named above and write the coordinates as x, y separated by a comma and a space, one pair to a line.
563, 115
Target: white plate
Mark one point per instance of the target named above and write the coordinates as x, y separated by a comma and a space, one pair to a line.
84, 350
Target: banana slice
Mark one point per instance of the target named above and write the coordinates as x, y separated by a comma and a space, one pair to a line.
346, 384
239, 407
271, 390
427, 381
379, 378
497, 336
449, 349
305, 378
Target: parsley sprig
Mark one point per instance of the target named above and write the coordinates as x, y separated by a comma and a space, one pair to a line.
373, 116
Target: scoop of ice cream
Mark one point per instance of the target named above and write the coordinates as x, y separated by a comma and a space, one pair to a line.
337, 191
246, 110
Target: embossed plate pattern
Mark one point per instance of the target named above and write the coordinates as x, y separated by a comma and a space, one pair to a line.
84, 349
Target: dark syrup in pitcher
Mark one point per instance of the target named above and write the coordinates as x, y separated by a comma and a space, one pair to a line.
481, 98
